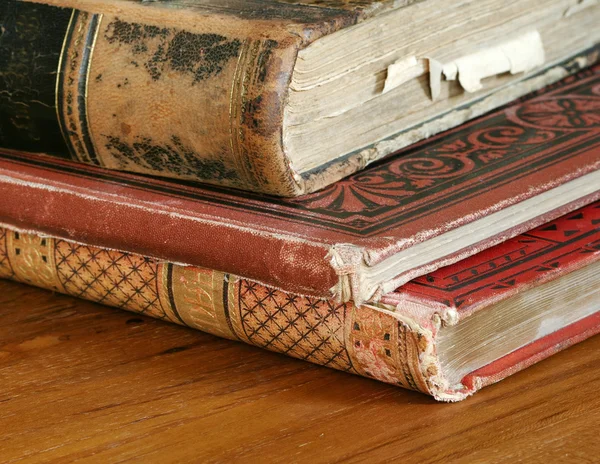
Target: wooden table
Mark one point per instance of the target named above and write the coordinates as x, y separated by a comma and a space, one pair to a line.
82, 381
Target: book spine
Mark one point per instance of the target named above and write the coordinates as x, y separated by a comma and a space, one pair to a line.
103, 213
396, 347
200, 98
368, 341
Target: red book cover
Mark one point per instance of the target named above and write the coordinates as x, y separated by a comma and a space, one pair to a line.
538, 259
550, 277
428, 206
504, 270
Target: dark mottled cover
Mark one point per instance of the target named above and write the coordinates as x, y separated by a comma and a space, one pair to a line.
31, 46
31, 41
198, 89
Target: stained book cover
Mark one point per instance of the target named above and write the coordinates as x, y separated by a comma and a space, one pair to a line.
391, 341
325, 244
197, 90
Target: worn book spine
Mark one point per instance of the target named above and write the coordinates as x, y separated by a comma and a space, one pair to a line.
165, 91
365, 341
177, 89
201, 102
391, 342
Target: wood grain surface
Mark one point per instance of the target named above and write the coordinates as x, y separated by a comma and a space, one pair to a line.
80, 381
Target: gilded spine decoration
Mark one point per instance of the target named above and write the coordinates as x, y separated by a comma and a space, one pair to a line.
72, 84
365, 341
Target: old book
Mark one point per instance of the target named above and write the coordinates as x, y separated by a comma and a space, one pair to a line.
276, 96
358, 239
446, 334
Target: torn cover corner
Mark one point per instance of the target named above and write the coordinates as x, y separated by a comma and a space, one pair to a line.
348, 262
437, 384
420, 355
432, 378
298, 182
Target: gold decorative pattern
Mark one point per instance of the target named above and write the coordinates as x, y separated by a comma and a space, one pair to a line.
363, 341
307, 328
32, 260
249, 119
379, 345
110, 277
239, 89
60, 79
72, 83
197, 296
341, 4
5, 268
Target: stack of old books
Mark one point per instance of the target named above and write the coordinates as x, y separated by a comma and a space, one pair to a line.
349, 183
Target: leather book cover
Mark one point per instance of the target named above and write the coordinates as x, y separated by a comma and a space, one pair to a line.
394, 341
448, 191
195, 89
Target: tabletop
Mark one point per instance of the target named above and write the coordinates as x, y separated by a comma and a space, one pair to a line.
80, 381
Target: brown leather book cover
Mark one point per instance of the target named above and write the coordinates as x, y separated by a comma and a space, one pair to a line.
396, 341
198, 90
433, 204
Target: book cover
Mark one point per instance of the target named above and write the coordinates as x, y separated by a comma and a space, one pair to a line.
397, 341
436, 203
211, 92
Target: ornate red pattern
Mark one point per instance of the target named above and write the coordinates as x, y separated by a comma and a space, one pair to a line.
575, 112
567, 243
